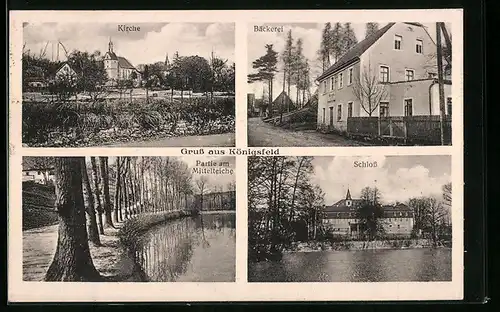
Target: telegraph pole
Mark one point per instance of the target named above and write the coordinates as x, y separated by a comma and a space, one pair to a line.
440, 81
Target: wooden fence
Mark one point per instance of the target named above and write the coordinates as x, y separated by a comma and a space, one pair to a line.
424, 129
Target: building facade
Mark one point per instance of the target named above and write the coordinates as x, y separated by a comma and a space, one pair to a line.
119, 68
341, 218
65, 73
395, 70
41, 175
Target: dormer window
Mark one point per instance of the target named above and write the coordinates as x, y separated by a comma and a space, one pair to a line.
397, 42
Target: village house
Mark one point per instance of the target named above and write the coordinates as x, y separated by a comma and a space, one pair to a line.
38, 175
400, 59
65, 73
341, 217
119, 68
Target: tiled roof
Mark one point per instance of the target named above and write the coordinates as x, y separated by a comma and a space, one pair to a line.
355, 52
285, 100
112, 55
124, 63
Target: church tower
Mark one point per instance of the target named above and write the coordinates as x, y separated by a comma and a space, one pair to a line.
111, 62
348, 199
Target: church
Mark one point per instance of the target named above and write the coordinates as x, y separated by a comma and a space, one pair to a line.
397, 220
119, 68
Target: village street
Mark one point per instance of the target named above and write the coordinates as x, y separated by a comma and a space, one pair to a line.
214, 140
264, 134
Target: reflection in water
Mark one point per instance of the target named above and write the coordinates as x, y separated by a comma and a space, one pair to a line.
197, 249
356, 266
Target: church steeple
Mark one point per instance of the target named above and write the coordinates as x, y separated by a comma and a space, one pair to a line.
110, 46
348, 196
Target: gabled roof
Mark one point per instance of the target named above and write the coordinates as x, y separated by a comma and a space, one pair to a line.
112, 55
282, 98
124, 63
356, 51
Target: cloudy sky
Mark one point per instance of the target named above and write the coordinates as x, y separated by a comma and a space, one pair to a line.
310, 33
149, 45
397, 177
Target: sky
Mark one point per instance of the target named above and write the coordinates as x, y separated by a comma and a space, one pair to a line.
399, 178
149, 45
310, 33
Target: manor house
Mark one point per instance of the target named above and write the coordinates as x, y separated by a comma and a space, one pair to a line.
341, 218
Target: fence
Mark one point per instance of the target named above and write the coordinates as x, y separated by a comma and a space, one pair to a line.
425, 129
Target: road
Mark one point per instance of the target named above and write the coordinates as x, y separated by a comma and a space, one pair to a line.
261, 134
214, 140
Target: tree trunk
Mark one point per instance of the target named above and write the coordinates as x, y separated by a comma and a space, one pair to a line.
92, 230
117, 189
97, 195
108, 222
72, 260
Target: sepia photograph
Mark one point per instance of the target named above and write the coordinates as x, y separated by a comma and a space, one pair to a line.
129, 219
349, 84
128, 85
349, 219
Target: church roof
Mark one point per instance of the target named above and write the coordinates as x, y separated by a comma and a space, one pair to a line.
124, 63
112, 55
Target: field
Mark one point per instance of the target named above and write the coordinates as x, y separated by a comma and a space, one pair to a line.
83, 123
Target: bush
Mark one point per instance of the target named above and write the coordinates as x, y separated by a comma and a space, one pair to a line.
72, 123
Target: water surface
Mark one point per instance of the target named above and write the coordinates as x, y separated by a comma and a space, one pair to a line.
191, 249
356, 266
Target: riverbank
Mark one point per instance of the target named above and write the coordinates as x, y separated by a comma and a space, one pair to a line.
110, 259
362, 245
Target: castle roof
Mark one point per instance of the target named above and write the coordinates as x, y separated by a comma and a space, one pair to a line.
124, 63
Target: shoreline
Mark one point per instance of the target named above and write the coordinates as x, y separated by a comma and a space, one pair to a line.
364, 245
111, 259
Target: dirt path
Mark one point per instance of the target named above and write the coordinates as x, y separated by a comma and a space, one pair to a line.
39, 246
214, 140
261, 134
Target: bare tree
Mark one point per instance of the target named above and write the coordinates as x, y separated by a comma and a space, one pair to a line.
201, 184
369, 91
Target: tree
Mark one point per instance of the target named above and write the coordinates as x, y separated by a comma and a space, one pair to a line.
337, 41
39, 163
369, 91
348, 38
266, 69
97, 192
91, 75
370, 213
370, 29
108, 206
325, 48
92, 229
147, 81
287, 57
72, 260
201, 184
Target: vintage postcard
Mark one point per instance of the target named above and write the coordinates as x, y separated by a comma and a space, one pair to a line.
207, 156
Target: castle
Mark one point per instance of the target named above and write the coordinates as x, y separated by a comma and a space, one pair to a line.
119, 68
341, 217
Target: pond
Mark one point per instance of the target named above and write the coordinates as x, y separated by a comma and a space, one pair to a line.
191, 249
356, 266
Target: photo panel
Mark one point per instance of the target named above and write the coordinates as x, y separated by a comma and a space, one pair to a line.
349, 84
128, 84
129, 219
349, 219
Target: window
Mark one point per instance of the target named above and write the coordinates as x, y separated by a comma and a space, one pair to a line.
341, 80
409, 74
350, 78
408, 107
384, 109
397, 42
339, 112
384, 74
332, 86
324, 115
331, 116
419, 46
448, 106
336, 79
349, 109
